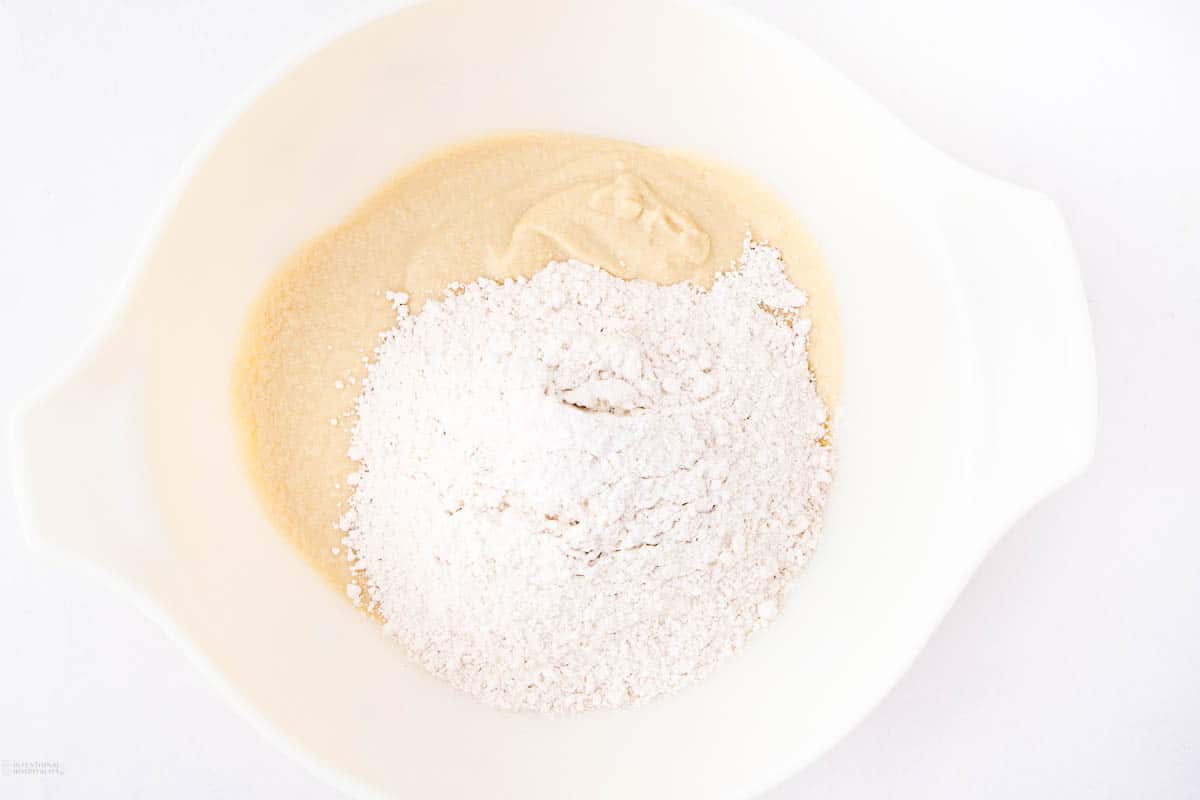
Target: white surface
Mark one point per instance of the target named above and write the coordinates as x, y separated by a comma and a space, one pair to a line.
1067, 669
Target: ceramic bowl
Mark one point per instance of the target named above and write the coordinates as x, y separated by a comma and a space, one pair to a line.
969, 393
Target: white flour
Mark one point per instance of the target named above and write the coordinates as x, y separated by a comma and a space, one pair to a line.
578, 491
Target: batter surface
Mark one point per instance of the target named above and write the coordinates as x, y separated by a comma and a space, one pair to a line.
496, 207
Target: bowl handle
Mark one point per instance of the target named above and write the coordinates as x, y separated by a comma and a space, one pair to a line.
1034, 366
83, 482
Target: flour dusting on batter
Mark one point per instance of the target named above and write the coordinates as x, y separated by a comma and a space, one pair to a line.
577, 491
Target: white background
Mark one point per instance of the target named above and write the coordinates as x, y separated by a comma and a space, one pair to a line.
1071, 665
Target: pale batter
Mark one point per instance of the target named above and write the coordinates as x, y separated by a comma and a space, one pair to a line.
497, 207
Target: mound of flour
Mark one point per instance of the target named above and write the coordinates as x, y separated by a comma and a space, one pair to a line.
578, 491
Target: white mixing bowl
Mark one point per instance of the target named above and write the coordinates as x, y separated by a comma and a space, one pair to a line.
969, 393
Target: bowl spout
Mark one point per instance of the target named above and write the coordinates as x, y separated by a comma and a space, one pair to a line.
1034, 366
79, 449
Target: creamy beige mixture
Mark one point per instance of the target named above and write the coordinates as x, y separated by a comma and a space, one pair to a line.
497, 207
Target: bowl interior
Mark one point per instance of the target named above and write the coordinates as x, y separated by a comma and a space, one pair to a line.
314, 145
